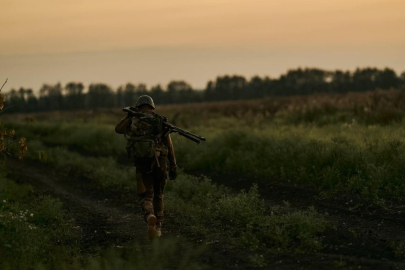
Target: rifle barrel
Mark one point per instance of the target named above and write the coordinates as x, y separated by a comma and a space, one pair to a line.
193, 137
179, 130
189, 137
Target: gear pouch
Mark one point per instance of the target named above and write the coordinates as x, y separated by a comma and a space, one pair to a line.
144, 149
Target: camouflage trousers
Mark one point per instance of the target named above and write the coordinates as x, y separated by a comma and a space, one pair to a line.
150, 186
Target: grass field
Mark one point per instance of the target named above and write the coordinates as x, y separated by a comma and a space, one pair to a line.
334, 148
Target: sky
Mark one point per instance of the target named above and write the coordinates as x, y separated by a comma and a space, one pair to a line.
155, 41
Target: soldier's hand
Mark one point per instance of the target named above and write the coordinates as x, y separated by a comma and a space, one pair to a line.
172, 174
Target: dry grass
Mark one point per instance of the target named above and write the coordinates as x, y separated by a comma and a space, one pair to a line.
376, 107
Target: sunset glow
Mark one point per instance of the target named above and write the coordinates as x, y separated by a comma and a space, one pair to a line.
50, 41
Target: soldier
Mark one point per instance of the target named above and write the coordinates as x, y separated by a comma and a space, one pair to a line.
153, 155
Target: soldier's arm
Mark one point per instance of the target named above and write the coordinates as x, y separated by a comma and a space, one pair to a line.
123, 125
171, 156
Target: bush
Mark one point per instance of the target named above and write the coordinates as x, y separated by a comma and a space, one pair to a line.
372, 170
213, 212
90, 139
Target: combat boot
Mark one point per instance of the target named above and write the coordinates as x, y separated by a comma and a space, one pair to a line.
151, 220
159, 229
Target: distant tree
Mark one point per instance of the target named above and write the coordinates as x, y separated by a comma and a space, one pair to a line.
387, 79
237, 86
13, 100
402, 78
179, 91
300, 81
119, 97
21, 100
74, 96
31, 101
51, 97
100, 96
341, 81
230, 87
364, 79
268, 86
304, 81
176, 86
130, 95
157, 94
209, 93
141, 89
372, 78
256, 88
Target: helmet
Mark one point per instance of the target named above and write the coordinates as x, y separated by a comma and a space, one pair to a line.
142, 100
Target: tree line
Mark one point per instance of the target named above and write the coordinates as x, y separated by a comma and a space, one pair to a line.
74, 95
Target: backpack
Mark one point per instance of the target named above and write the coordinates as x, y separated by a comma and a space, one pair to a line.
144, 140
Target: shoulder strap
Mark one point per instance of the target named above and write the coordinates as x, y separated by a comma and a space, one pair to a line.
164, 118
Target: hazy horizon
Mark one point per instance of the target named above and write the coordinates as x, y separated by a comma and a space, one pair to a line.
157, 41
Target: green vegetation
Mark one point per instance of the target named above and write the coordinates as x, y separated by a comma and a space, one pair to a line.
202, 201
89, 139
210, 211
36, 233
33, 229
350, 147
357, 159
102, 171
213, 212
156, 256
372, 168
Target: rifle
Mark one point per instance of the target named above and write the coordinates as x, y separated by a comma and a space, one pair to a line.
170, 128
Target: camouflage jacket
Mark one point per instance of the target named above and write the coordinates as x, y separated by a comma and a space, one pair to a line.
124, 126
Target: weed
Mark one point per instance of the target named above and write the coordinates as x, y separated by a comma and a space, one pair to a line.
399, 248
242, 219
33, 229
372, 169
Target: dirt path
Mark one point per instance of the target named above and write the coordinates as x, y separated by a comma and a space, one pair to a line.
102, 218
109, 218
361, 237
